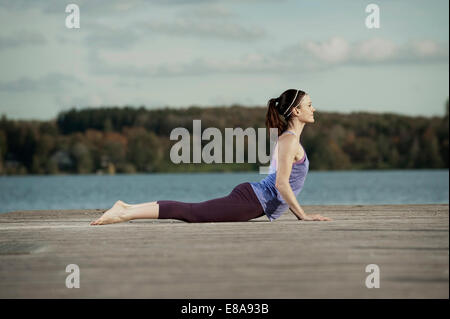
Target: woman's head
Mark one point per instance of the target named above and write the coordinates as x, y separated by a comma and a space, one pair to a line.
292, 105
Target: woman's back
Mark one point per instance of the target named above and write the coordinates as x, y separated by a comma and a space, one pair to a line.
270, 199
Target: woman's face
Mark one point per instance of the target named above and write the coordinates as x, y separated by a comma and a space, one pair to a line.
305, 112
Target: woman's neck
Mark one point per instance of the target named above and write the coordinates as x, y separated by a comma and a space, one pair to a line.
296, 127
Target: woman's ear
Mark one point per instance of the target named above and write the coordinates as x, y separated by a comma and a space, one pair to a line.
297, 111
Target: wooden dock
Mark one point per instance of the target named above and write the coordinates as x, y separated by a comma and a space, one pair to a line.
257, 259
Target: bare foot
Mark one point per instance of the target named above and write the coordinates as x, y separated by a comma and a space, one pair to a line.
115, 214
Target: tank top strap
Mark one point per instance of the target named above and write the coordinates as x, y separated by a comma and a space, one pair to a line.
289, 132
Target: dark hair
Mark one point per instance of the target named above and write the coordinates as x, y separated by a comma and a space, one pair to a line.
280, 109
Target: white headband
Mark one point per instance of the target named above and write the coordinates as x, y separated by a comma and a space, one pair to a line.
291, 105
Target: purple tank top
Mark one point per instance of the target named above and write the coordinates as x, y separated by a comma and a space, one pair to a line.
271, 200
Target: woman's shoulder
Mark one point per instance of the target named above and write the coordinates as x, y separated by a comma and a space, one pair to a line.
287, 139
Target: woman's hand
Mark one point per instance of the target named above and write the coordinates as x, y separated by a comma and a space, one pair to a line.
316, 217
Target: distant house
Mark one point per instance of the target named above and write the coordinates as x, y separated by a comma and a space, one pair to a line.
63, 160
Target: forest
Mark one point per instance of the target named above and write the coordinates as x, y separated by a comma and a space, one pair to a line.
112, 140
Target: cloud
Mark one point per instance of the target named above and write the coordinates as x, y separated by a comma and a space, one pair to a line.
208, 21
21, 38
109, 6
111, 37
307, 56
202, 2
58, 6
426, 50
207, 11
373, 50
202, 28
337, 51
249, 63
50, 82
121, 38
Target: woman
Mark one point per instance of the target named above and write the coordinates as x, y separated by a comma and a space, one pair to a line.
273, 195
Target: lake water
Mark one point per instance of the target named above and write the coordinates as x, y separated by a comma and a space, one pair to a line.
321, 188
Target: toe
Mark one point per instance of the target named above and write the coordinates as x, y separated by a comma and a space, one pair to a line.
96, 222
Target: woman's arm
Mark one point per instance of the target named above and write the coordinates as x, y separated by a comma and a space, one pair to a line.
287, 148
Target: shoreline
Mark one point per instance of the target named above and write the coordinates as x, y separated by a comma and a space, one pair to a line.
227, 171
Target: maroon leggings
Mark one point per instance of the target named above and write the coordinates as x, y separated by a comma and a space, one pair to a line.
240, 205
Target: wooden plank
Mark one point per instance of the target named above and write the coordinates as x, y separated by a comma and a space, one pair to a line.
257, 259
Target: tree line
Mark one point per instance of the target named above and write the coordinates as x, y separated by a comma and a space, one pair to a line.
128, 140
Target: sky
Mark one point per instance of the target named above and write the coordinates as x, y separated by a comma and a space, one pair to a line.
181, 53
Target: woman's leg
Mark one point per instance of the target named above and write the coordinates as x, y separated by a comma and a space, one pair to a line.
122, 212
240, 205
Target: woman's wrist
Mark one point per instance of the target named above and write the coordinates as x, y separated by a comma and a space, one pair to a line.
301, 216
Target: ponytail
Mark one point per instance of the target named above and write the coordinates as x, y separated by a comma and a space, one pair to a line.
273, 118
280, 109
